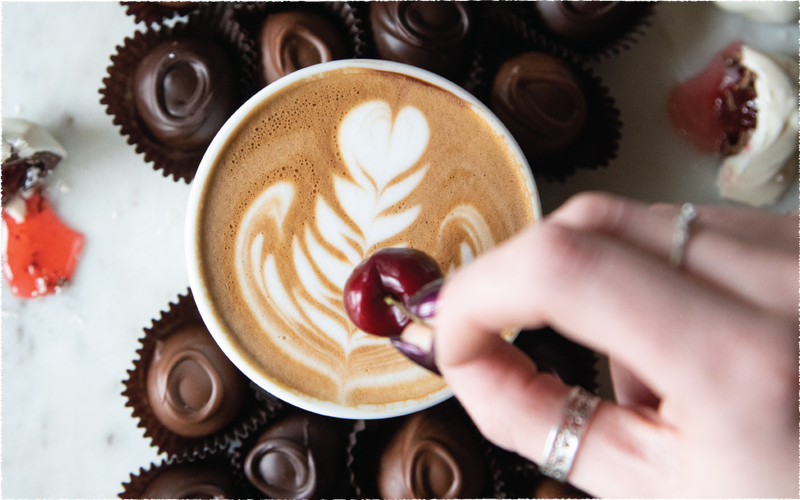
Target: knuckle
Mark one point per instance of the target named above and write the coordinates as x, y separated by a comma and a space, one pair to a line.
564, 254
598, 210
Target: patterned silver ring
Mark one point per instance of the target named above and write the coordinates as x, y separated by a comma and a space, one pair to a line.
564, 439
680, 234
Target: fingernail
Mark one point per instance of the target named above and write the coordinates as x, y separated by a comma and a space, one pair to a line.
416, 343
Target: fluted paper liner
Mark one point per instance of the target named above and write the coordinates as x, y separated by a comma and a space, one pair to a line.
211, 22
370, 437
156, 12
240, 451
628, 34
254, 412
598, 142
138, 482
345, 16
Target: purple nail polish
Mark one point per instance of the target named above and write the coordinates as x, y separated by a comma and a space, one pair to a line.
425, 359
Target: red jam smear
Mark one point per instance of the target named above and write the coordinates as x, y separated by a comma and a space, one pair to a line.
715, 110
41, 252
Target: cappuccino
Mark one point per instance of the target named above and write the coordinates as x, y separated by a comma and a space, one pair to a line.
317, 176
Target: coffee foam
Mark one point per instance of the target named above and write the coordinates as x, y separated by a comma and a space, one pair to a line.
316, 178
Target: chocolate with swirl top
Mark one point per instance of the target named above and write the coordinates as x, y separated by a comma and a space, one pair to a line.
430, 35
539, 99
584, 21
293, 40
192, 388
298, 457
191, 480
184, 90
432, 456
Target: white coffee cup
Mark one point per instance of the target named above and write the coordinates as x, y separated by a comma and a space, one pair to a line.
199, 286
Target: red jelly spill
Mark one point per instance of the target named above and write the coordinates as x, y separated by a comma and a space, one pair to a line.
41, 252
715, 110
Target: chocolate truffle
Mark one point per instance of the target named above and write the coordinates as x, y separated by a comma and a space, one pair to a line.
432, 455
430, 35
584, 22
293, 40
191, 480
301, 456
192, 388
539, 99
184, 90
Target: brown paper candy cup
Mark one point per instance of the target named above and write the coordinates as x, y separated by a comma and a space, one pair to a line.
156, 12
252, 411
370, 438
343, 16
626, 32
597, 143
204, 478
331, 473
212, 22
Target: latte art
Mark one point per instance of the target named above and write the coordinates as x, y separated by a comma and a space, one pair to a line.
382, 160
314, 185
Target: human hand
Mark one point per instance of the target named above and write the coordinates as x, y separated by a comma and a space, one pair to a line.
704, 358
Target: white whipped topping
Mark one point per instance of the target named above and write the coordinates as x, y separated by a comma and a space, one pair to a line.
760, 173
17, 208
781, 12
26, 138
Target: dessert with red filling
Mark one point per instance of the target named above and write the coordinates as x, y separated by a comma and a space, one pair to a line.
40, 252
715, 110
743, 106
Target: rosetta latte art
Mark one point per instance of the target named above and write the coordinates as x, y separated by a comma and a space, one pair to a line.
381, 152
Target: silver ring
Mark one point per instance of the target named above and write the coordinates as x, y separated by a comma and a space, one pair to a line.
565, 438
680, 234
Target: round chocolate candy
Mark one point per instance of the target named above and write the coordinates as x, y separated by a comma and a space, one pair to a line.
584, 21
430, 35
297, 39
432, 455
539, 99
298, 457
184, 91
192, 388
192, 480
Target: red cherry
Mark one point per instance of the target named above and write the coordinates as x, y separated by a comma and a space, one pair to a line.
390, 273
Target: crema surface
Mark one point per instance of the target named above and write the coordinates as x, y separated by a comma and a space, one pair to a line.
316, 178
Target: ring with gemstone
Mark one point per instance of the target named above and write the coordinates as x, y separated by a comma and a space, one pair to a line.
680, 234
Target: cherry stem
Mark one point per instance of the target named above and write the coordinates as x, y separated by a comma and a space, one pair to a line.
403, 309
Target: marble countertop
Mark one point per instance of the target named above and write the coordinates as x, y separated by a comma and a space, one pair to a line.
66, 432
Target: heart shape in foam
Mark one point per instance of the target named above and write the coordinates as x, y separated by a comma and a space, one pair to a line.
372, 145
378, 152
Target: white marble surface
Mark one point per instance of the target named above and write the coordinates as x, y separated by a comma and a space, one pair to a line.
65, 430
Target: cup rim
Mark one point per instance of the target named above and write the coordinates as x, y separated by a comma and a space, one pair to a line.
198, 187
